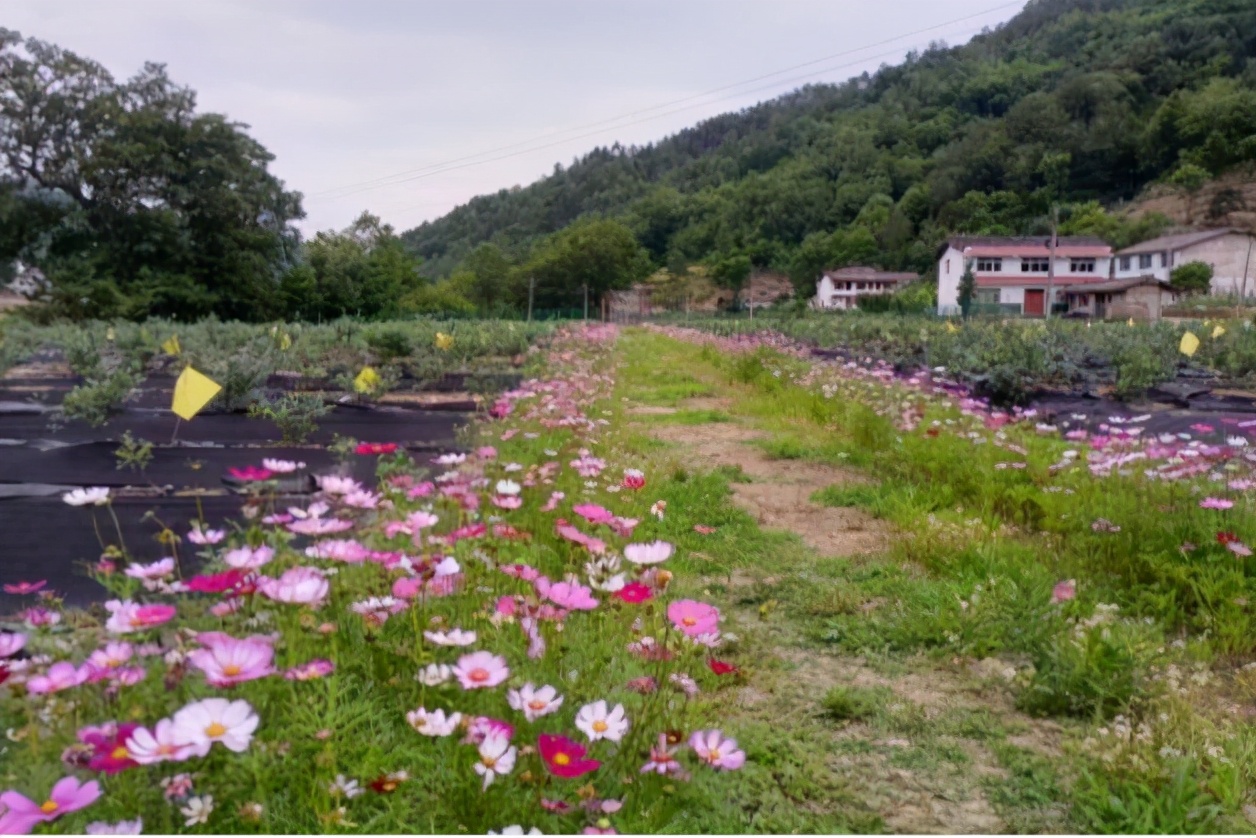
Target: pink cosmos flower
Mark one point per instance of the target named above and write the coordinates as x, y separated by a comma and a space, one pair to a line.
227, 661
481, 669
23, 588
648, 554
109, 752
663, 759
717, 751
1215, 503
633, 479
157, 745
521, 571
127, 616
135, 827
318, 668
486, 452
216, 583
422, 490
407, 587
297, 586
507, 501
205, 537
157, 570
21, 814
1064, 591
1239, 549
480, 728
693, 618
593, 513
248, 558
319, 526
102, 662
338, 549
571, 595
38, 617
11, 642
567, 531
552, 503
564, 757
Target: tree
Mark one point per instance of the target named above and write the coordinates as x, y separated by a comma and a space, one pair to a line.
130, 202
1192, 278
1189, 178
594, 252
732, 273
490, 274
967, 289
363, 270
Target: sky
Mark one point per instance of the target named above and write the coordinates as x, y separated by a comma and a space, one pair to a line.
409, 108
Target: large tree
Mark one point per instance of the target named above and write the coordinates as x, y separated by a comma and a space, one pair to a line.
130, 202
598, 253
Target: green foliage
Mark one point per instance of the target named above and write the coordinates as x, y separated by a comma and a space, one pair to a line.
1192, 278
294, 414
852, 704
599, 254
967, 289
100, 397
133, 454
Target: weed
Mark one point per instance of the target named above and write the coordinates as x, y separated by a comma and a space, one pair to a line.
294, 414
853, 704
134, 454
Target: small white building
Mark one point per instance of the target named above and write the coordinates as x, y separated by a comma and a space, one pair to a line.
841, 288
1230, 252
1011, 271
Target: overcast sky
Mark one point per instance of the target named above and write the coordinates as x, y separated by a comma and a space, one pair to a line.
371, 104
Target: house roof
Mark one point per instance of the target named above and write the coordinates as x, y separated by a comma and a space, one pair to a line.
1123, 285
1027, 245
1176, 242
865, 273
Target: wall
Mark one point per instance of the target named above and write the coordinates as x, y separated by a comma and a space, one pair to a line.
948, 281
1226, 254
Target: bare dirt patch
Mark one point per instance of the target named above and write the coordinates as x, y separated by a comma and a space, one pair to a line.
650, 410
40, 369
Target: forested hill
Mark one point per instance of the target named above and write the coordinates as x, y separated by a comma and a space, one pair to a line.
1081, 100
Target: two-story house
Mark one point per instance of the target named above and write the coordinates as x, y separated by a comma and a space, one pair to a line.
842, 288
1231, 254
1011, 271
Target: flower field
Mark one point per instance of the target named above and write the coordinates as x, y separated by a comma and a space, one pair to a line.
573, 626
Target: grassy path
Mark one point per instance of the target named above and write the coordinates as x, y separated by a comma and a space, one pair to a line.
890, 741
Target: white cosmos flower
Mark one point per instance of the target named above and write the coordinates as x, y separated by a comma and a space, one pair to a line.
435, 674
453, 637
652, 553
516, 829
534, 702
281, 466
202, 723
198, 810
158, 745
450, 459
508, 487
598, 723
98, 496
497, 757
344, 786
157, 570
433, 722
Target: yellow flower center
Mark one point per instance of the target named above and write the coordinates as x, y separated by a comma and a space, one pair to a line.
231, 669
562, 759
489, 762
689, 621
600, 726
537, 704
48, 807
120, 752
215, 730
478, 675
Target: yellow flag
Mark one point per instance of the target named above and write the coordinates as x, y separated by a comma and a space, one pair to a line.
192, 391
444, 342
1130, 322
285, 342
951, 327
1218, 330
1189, 344
110, 334
171, 347
366, 381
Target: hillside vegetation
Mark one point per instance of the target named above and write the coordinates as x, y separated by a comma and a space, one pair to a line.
1082, 101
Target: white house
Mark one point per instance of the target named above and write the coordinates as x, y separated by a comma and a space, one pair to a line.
842, 288
1011, 271
1231, 253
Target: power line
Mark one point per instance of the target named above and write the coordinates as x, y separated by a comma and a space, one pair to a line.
626, 125
389, 180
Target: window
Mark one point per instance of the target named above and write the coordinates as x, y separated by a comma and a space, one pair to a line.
948, 265
1034, 266
1125, 263
1144, 260
1082, 266
990, 265
1083, 299
987, 296
1164, 259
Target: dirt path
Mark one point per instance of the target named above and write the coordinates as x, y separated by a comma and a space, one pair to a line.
778, 492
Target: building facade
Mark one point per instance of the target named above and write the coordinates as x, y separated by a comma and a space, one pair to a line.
1012, 272
1231, 253
841, 289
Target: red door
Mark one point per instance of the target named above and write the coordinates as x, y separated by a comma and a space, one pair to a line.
1035, 301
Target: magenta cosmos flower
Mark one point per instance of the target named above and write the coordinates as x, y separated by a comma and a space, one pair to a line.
22, 813
716, 751
693, 618
23, 588
297, 586
109, 752
565, 758
227, 661
481, 669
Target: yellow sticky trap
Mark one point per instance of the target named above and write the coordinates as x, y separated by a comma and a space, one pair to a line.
951, 327
1189, 344
366, 381
1130, 322
110, 334
444, 342
171, 347
192, 391
285, 342
1218, 331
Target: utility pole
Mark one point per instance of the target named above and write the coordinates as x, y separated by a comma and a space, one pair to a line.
531, 290
1055, 217
1247, 263
586, 301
